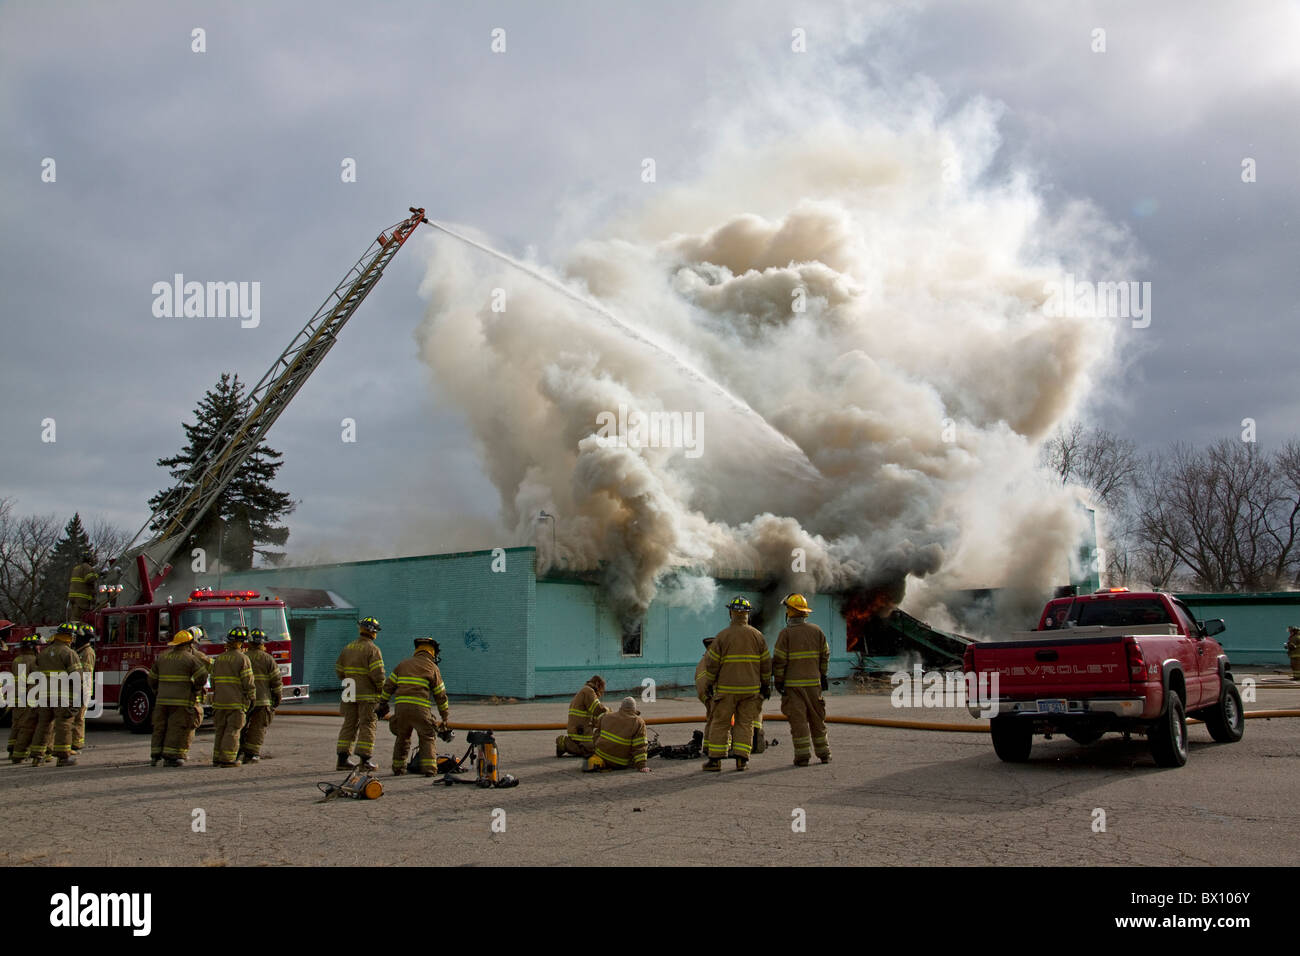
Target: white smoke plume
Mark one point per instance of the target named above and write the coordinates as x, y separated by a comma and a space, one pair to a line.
918, 379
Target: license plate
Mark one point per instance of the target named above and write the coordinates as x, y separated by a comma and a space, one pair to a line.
284, 670
1052, 706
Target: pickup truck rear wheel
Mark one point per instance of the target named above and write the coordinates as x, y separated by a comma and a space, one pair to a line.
1012, 739
1168, 735
1226, 721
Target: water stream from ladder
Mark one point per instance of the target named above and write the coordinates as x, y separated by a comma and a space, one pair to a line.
789, 451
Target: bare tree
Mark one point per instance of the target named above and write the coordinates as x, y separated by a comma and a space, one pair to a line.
1229, 514
107, 540
25, 547
1099, 460
1107, 466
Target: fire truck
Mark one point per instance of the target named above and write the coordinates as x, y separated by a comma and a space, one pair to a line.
134, 626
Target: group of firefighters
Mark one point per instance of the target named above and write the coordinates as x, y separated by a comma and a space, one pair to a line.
734, 677
54, 727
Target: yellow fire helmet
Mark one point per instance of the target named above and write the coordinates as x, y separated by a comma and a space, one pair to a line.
181, 637
796, 602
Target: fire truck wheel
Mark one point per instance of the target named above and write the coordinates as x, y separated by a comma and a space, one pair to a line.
137, 707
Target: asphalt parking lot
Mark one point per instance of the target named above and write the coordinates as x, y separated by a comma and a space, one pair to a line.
890, 797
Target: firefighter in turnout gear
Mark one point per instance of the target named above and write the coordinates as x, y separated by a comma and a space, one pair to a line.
24, 720
585, 711
620, 740
82, 588
233, 693
60, 667
83, 645
738, 670
177, 679
799, 666
361, 668
268, 688
414, 686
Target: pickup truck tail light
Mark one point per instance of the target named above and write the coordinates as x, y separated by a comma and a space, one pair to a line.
1137, 665
968, 659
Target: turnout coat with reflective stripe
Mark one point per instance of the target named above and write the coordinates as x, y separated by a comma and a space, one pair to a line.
178, 675
81, 586
737, 661
702, 678
58, 658
266, 678
232, 681
418, 681
801, 656
584, 710
362, 661
620, 740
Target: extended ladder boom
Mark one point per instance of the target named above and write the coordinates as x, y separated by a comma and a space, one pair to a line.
214, 468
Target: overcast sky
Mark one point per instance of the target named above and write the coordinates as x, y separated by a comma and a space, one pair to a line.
225, 165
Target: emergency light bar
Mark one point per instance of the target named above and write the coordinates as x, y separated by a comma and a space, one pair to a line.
207, 594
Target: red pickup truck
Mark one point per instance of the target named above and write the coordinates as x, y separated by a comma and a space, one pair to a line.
1116, 660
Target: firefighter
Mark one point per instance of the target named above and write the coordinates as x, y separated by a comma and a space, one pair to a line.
738, 671
361, 668
268, 684
24, 719
233, 694
60, 667
1293, 650
585, 711
799, 666
177, 679
81, 587
413, 686
83, 645
620, 740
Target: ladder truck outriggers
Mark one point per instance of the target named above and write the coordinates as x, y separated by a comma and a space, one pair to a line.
133, 628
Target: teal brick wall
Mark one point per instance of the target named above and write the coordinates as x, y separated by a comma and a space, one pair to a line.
506, 633
481, 618
1256, 623
577, 636
326, 631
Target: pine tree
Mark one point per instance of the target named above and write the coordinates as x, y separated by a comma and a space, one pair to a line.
249, 508
66, 555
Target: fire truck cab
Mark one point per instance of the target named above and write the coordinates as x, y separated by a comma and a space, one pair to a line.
130, 638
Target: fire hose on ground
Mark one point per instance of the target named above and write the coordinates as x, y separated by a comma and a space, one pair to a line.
980, 728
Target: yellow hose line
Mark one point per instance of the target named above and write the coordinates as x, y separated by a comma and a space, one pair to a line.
980, 728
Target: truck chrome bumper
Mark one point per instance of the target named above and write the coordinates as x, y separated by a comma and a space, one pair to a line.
292, 693
1115, 707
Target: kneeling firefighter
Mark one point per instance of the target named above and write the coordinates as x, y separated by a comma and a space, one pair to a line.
585, 711
414, 686
620, 740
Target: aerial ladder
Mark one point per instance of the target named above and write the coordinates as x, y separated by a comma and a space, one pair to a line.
143, 565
